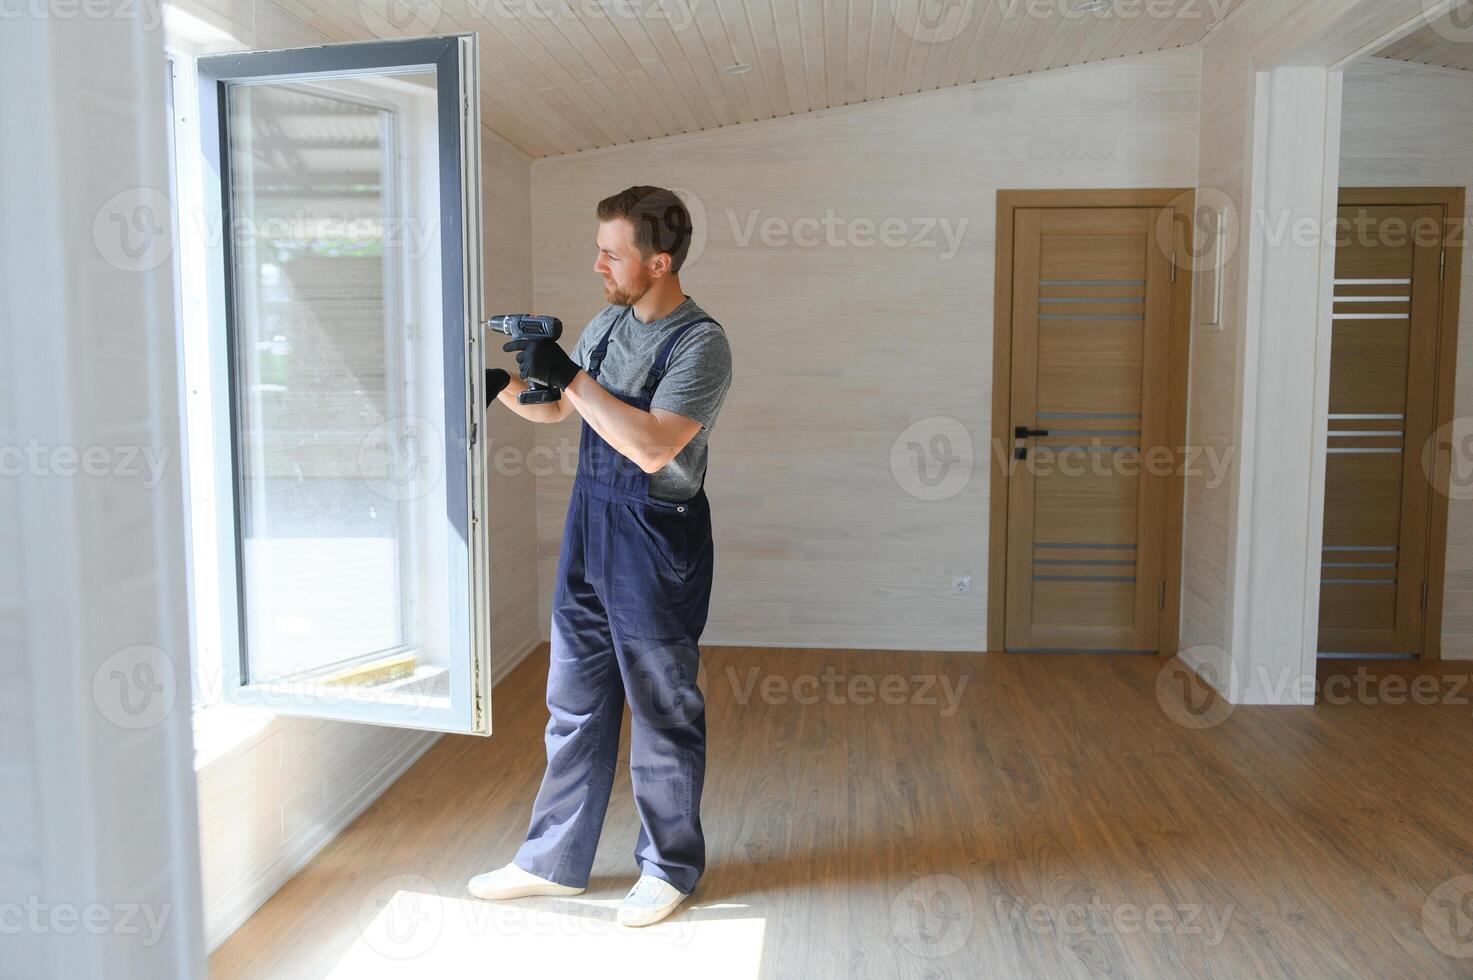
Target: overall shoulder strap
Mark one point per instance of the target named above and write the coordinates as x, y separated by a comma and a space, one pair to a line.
662, 362
596, 358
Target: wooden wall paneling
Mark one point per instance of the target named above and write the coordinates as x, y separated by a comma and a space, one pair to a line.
805, 488
1443, 42
567, 79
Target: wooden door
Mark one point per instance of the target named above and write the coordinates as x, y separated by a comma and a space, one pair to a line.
1383, 370
1090, 323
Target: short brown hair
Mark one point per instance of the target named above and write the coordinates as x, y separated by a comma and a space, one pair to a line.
661, 222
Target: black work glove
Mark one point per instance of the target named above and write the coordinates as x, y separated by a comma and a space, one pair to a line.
496, 379
544, 361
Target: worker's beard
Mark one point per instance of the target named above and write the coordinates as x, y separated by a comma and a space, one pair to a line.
633, 294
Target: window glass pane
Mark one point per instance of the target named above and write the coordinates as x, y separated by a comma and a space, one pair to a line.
338, 367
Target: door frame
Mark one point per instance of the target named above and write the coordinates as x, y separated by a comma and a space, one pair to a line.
1444, 379
1182, 200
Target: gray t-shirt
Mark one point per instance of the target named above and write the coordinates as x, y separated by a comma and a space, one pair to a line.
696, 379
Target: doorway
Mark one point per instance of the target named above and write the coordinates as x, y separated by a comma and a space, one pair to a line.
1391, 361
1089, 372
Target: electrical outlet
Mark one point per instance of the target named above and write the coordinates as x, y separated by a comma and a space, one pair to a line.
961, 583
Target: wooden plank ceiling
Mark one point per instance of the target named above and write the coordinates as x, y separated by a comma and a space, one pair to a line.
1446, 41
560, 76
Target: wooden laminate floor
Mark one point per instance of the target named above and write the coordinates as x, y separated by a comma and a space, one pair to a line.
890, 814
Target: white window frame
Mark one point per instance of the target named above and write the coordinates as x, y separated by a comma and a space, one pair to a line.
203, 263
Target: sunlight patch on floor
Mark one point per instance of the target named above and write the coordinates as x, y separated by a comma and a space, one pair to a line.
412, 932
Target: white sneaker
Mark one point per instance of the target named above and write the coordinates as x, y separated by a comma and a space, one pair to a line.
649, 901
513, 882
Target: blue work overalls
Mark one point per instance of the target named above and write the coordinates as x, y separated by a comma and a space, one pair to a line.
633, 589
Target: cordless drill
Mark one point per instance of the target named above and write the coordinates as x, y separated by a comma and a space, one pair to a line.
529, 326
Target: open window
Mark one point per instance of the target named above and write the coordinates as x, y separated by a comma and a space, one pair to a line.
345, 302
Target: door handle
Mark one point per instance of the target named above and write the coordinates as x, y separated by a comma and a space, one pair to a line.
1023, 432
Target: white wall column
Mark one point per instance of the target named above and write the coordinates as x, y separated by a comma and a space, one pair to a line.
1285, 385
99, 860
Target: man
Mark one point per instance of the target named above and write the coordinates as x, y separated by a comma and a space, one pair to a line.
648, 376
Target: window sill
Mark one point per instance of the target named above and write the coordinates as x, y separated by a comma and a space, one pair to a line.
222, 731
